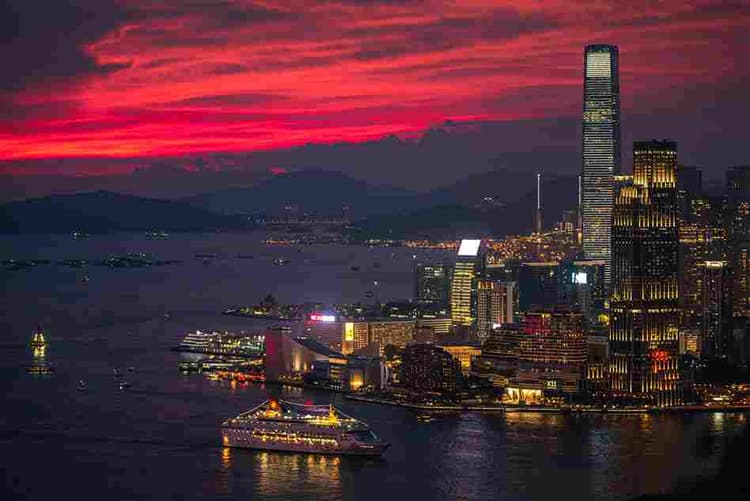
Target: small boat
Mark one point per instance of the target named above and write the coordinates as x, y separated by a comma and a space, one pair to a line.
369, 294
124, 385
131, 369
85, 279
280, 261
115, 373
37, 339
81, 385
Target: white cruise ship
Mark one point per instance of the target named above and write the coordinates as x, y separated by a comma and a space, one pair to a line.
292, 427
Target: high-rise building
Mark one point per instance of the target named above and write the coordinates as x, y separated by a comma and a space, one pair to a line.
464, 281
580, 284
716, 309
537, 285
601, 150
432, 283
643, 335
495, 303
738, 217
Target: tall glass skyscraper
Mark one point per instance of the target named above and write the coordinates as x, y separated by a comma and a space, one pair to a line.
601, 150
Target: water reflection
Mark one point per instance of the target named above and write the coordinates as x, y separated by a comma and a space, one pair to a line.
290, 475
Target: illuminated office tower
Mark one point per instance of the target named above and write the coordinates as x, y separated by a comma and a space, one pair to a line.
738, 208
644, 305
494, 306
716, 306
601, 150
464, 282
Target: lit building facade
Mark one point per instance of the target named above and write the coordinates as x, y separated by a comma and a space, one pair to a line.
432, 283
546, 354
601, 150
643, 334
464, 353
374, 335
355, 336
716, 310
738, 205
427, 368
495, 301
463, 285
581, 285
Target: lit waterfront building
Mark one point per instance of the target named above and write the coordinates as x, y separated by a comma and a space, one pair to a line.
395, 332
374, 335
325, 327
495, 302
601, 150
643, 335
355, 336
463, 284
289, 357
545, 355
426, 367
464, 352
432, 283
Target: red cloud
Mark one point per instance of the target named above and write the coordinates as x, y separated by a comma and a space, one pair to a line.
265, 75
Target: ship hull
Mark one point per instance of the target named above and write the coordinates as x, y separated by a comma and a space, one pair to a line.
237, 440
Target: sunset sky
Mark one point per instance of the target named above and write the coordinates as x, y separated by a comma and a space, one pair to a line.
143, 79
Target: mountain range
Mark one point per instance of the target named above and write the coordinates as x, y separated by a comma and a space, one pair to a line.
497, 202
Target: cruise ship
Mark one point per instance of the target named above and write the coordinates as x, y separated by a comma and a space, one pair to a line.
292, 427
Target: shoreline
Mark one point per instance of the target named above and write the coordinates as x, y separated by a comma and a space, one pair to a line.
541, 409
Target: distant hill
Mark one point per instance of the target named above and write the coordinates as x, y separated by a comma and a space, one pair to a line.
103, 211
441, 222
463, 211
313, 190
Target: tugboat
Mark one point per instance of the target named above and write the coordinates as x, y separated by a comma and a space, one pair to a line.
37, 339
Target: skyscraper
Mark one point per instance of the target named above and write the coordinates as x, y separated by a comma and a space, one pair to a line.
644, 307
716, 306
432, 283
601, 150
464, 282
738, 205
494, 305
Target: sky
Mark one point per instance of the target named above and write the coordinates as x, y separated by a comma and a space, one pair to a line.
95, 87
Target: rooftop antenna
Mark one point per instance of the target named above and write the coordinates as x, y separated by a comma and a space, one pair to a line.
538, 218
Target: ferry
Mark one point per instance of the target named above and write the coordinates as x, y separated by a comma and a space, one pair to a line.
278, 425
37, 339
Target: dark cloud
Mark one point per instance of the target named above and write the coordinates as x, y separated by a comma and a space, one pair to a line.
42, 40
242, 99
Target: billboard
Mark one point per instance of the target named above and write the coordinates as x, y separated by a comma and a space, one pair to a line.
322, 317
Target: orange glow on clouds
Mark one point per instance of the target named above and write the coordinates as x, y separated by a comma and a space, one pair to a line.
202, 79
